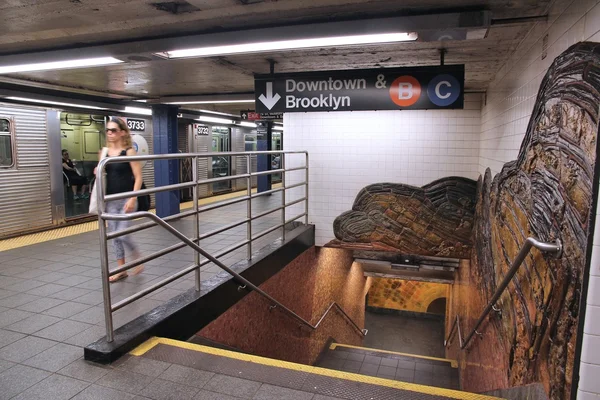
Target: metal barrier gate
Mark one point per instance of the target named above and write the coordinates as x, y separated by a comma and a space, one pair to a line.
193, 242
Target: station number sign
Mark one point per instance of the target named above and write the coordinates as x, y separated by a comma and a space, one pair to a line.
137, 125
201, 130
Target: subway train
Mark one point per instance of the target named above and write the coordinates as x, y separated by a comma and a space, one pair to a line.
36, 192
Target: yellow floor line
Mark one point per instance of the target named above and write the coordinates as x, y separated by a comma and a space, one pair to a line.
453, 363
76, 229
434, 391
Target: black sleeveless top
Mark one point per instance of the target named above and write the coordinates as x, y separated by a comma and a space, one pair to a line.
119, 177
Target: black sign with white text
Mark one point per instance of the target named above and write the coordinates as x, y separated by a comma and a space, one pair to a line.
201, 130
137, 125
418, 88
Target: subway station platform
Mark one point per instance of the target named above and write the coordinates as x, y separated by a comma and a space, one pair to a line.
51, 302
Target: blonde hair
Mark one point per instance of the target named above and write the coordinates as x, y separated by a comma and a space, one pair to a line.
123, 126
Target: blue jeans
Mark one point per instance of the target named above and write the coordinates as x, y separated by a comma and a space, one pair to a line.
119, 244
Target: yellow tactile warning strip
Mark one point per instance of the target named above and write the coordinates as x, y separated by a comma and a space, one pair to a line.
34, 238
76, 229
434, 391
453, 363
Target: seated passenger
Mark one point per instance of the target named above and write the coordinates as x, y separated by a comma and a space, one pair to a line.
75, 180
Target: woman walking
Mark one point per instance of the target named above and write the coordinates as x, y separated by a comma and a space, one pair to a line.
122, 177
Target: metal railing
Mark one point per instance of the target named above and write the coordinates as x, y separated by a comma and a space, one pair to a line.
554, 248
109, 308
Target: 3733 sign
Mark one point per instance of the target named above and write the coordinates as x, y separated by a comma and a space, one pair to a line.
138, 125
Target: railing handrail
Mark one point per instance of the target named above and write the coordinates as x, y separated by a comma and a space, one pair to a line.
238, 277
530, 242
109, 308
179, 156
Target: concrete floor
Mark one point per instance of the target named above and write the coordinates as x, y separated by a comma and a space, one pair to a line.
51, 300
405, 334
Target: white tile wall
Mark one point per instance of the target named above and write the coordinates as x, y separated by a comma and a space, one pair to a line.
350, 150
504, 118
511, 96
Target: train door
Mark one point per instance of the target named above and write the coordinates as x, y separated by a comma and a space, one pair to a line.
185, 165
276, 158
221, 166
82, 137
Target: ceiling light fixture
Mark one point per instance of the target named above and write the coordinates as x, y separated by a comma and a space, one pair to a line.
138, 110
218, 113
58, 103
212, 102
293, 44
52, 65
215, 120
248, 124
278, 128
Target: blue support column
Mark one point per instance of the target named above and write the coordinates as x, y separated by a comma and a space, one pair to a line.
264, 142
166, 172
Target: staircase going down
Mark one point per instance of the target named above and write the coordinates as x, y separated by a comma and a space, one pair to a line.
219, 373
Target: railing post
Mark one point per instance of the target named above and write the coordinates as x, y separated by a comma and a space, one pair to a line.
306, 192
196, 220
282, 166
249, 206
104, 255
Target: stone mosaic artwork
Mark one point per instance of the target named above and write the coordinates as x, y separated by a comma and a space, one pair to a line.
398, 294
436, 219
546, 193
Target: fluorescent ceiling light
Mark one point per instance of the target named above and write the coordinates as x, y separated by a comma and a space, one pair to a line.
248, 124
212, 102
84, 62
278, 128
138, 110
293, 44
58, 103
219, 113
215, 119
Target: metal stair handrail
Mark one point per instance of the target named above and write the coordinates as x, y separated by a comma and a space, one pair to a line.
555, 248
246, 283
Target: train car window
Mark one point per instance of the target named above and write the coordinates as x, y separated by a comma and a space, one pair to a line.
250, 142
6, 144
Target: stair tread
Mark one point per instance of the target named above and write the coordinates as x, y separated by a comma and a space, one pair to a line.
392, 354
389, 365
228, 365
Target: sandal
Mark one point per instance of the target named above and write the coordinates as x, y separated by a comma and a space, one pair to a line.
117, 277
137, 269
140, 267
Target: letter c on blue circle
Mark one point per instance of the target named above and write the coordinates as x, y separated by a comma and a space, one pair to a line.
443, 90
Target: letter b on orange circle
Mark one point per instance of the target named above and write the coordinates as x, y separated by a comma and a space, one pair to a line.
405, 91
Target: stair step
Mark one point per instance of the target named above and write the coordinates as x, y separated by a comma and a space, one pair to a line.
402, 367
294, 379
390, 354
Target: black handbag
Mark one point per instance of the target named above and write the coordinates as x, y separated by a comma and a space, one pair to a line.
143, 200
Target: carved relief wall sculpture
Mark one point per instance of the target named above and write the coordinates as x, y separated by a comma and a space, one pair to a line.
436, 219
546, 193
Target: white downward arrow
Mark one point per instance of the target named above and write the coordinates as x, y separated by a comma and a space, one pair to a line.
269, 101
